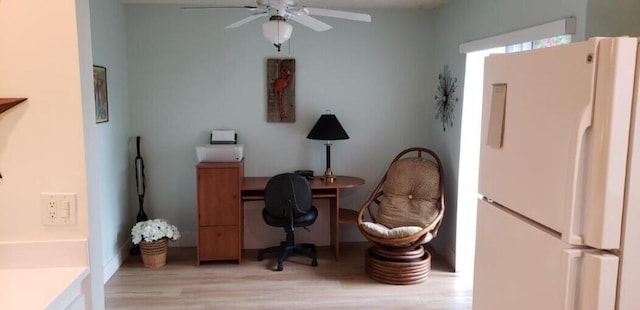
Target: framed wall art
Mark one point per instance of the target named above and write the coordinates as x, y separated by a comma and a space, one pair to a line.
281, 86
100, 94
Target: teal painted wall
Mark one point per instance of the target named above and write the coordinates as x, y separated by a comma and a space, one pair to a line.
187, 76
613, 18
114, 143
460, 21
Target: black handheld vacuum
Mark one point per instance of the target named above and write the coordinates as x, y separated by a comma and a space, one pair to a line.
140, 188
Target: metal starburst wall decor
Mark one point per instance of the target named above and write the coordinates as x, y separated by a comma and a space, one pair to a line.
446, 97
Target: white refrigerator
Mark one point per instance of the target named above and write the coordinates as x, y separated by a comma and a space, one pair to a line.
559, 182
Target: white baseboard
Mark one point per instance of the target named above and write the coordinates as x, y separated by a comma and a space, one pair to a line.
110, 268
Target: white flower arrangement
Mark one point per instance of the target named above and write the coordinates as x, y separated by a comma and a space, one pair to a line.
153, 230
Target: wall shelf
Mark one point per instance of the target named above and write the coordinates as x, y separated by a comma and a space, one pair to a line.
8, 103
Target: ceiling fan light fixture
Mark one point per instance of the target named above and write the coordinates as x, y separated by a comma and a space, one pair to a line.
277, 30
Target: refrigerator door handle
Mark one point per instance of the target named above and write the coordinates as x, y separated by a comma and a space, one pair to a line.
573, 212
607, 168
590, 279
599, 281
570, 266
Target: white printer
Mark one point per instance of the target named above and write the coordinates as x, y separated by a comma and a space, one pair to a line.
224, 136
220, 152
223, 147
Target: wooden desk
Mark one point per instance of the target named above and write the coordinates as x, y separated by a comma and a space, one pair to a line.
252, 189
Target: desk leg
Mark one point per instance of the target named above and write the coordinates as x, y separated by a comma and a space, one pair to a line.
334, 206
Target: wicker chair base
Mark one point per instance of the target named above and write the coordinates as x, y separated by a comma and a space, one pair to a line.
398, 267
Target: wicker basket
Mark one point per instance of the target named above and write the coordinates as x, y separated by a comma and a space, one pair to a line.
154, 254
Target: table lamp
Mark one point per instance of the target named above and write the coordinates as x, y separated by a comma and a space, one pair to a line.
328, 128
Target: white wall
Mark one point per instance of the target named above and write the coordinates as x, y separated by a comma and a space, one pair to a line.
187, 75
41, 140
114, 164
45, 55
460, 21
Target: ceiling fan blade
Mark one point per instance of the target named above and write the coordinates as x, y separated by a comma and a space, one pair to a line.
201, 8
311, 22
246, 20
340, 14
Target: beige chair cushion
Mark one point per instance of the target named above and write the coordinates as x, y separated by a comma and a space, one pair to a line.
411, 194
380, 231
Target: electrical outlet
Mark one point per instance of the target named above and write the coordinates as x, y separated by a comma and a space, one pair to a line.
58, 208
49, 206
52, 207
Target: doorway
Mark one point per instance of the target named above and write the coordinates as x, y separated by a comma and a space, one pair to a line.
469, 159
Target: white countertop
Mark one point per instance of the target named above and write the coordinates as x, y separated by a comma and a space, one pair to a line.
40, 288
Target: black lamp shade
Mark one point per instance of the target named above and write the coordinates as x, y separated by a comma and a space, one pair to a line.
327, 128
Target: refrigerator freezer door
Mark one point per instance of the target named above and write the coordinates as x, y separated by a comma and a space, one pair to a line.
542, 167
523, 266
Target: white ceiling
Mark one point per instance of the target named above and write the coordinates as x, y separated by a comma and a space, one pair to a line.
329, 4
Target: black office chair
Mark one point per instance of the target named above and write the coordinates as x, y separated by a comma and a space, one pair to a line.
287, 200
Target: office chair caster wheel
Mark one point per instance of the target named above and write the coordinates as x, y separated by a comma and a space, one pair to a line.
314, 263
280, 267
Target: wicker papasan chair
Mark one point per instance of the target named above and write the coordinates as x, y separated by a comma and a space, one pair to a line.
402, 214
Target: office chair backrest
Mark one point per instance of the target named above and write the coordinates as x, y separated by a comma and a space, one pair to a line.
284, 190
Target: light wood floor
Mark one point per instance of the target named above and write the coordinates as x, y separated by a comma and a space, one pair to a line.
253, 285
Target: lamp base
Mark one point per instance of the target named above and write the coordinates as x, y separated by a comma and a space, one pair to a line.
328, 176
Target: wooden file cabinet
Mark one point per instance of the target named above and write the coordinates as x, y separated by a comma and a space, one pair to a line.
219, 210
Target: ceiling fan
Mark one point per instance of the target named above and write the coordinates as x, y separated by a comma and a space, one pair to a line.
276, 30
